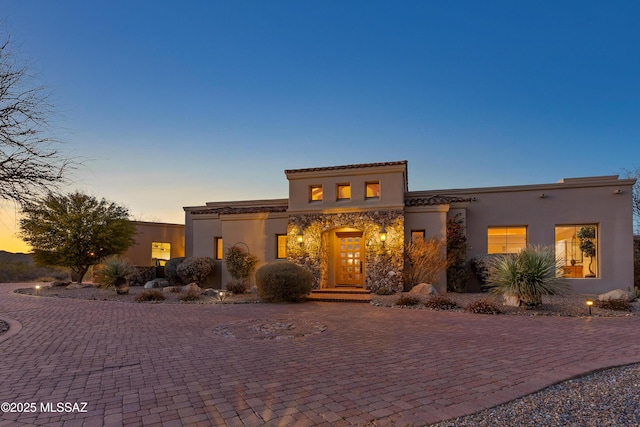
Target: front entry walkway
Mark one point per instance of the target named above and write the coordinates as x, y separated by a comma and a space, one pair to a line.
245, 365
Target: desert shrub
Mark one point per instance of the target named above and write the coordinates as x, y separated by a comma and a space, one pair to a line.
195, 269
424, 261
142, 275
189, 296
614, 304
385, 291
150, 295
440, 302
529, 275
456, 254
283, 281
240, 264
26, 271
113, 271
482, 306
408, 301
480, 268
237, 286
171, 271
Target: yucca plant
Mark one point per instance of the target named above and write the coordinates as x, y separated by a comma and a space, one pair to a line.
115, 271
527, 275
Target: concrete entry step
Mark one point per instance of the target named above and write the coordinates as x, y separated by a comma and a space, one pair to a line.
340, 295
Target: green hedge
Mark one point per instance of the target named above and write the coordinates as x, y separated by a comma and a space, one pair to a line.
283, 282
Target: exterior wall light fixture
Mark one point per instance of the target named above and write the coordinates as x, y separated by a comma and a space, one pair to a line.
300, 238
618, 191
543, 196
383, 235
589, 303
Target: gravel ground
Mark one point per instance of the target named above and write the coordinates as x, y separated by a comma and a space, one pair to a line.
569, 305
605, 398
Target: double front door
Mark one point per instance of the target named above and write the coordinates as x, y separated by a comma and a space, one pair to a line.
349, 254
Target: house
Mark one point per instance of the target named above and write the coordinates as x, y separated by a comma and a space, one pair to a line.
156, 243
349, 224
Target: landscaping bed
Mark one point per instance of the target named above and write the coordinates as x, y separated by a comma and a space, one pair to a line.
569, 305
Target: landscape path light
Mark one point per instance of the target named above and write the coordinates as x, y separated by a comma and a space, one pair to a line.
589, 303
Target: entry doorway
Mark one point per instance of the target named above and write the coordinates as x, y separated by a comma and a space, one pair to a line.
349, 254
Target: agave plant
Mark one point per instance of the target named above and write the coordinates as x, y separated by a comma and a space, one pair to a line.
115, 271
527, 275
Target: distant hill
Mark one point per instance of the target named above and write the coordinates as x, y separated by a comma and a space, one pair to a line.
10, 257
21, 268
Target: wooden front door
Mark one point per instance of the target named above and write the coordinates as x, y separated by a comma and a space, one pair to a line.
349, 253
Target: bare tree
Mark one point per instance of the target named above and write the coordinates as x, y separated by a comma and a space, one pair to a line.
30, 164
635, 198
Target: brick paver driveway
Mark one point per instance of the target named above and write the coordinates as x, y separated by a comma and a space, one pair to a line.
154, 364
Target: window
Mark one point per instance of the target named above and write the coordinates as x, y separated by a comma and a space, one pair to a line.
417, 234
315, 193
506, 240
217, 249
160, 253
343, 191
577, 250
281, 246
372, 190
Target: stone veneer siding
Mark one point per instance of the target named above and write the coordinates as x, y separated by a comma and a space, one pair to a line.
383, 265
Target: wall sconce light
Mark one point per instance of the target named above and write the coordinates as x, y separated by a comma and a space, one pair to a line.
383, 235
589, 303
618, 191
300, 238
543, 196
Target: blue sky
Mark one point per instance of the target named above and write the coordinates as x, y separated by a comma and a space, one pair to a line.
176, 103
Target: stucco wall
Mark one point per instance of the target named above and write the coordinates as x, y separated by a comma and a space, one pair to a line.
599, 204
146, 233
392, 181
255, 233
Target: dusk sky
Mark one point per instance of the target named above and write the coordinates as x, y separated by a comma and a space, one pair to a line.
177, 103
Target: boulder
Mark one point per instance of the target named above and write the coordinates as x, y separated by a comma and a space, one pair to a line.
192, 287
510, 299
156, 283
61, 283
210, 292
617, 294
424, 289
171, 289
75, 286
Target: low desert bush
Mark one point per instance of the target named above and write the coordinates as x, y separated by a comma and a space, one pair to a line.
190, 296
408, 301
142, 275
114, 271
614, 304
482, 306
237, 286
195, 269
384, 291
529, 275
171, 271
480, 268
239, 263
283, 282
440, 302
424, 261
150, 295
